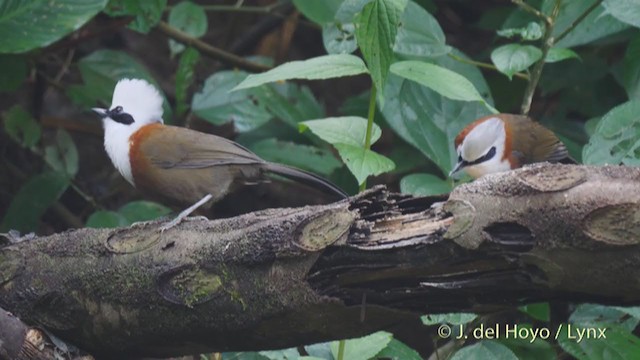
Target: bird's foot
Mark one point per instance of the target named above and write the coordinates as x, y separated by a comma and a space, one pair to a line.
184, 215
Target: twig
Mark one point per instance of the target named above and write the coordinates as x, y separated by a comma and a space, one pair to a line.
536, 72
65, 65
209, 50
530, 9
578, 20
484, 65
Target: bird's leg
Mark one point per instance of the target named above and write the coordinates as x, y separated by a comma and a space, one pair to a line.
186, 212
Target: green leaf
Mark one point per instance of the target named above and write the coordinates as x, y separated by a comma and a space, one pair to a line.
419, 34
21, 127
376, 29
14, 72
350, 130
424, 184
397, 350
617, 137
305, 157
559, 54
320, 12
627, 11
595, 26
147, 13
590, 315
631, 69
363, 348
286, 354
26, 25
184, 78
525, 349
538, 311
486, 349
218, 105
137, 211
429, 121
452, 318
339, 36
363, 163
444, 81
32, 200
533, 31
63, 155
189, 18
106, 219
243, 356
321, 67
290, 102
512, 58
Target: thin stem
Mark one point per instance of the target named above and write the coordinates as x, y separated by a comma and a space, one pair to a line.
209, 50
530, 9
578, 20
341, 345
370, 116
536, 72
484, 65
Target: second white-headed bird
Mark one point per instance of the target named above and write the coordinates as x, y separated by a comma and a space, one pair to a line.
504, 142
177, 165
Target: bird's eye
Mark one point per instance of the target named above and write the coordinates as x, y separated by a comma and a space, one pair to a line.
117, 110
459, 158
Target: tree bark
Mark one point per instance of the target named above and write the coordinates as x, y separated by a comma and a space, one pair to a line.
284, 277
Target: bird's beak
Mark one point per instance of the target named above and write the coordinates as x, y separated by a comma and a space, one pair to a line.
101, 112
456, 169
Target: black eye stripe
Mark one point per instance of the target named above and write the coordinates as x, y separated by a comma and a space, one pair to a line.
117, 115
488, 156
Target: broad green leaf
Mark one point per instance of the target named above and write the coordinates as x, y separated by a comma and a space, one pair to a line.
525, 349
101, 71
21, 127
339, 36
397, 350
363, 163
106, 219
14, 72
512, 58
147, 13
136, 211
617, 137
533, 31
184, 78
619, 343
32, 200
593, 315
305, 157
290, 102
424, 184
363, 348
631, 69
419, 34
627, 11
318, 68
444, 81
26, 25
429, 121
216, 104
538, 311
595, 26
350, 130
320, 12
559, 54
286, 354
376, 29
320, 350
62, 156
189, 18
243, 356
452, 318
485, 349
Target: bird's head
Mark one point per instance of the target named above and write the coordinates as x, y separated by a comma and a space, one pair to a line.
480, 147
135, 103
